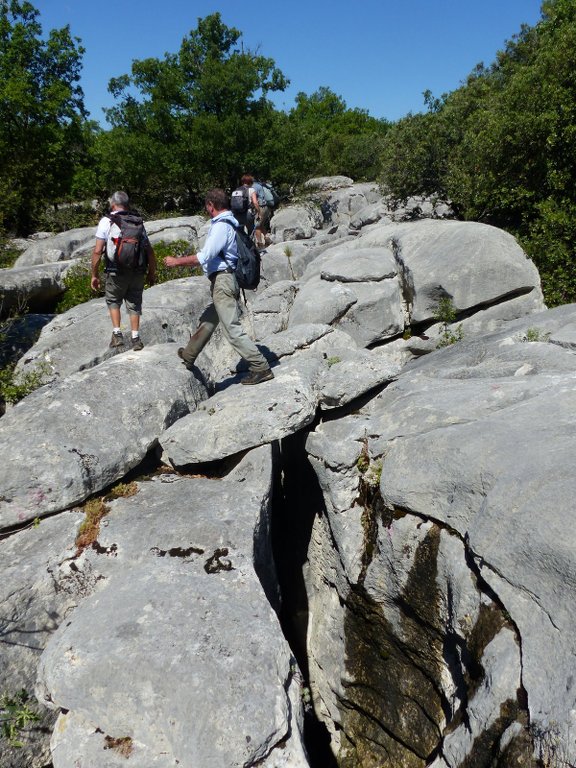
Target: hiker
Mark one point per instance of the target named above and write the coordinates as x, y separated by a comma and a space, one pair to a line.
267, 201
218, 258
244, 203
124, 282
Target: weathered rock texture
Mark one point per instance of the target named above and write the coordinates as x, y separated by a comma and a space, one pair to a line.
403, 502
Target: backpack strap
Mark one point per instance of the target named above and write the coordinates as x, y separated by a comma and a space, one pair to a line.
236, 229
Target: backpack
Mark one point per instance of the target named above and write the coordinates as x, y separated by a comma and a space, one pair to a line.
247, 269
271, 197
239, 200
129, 249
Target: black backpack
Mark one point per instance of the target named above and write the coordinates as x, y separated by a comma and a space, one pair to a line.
239, 200
130, 253
248, 265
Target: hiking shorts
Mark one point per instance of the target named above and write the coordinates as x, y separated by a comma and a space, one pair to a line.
265, 216
127, 287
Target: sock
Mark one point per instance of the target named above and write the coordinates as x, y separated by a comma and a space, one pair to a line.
135, 334
116, 330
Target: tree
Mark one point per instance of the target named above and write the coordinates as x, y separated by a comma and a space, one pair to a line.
321, 137
200, 115
502, 147
41, 115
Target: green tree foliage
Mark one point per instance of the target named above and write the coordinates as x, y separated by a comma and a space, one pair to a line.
320, 136
41, 115
190, 120
502, 147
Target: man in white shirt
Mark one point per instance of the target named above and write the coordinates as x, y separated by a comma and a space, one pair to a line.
127, 286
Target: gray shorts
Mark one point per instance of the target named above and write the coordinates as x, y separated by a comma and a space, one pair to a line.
126, 286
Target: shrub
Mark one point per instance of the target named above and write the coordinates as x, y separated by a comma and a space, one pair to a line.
177, 248
77, 287
13, 387
445, 314
15, 715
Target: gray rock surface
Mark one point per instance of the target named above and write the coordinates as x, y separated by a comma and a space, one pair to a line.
178, 612
62, 247
65, 442
36, 284
78, 339
427, 558
445, 497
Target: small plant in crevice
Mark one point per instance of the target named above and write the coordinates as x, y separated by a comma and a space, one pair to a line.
330, 361
95, 509
445, 314
288, 253
370, 499
123, 745
373, 474
363, 461
535, 334
15, 715
122, 491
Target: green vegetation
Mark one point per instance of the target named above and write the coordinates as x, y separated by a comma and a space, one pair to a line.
15, 386
445, 314
501, 147
177, 248
42, 135
95, 509
15, 715
535, 334
77, 287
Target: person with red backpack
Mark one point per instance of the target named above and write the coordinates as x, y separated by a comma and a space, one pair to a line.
123, 245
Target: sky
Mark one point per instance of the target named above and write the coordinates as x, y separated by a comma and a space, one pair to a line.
378, 55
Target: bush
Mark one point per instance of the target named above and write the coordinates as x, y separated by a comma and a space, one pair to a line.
77, 287
177, 248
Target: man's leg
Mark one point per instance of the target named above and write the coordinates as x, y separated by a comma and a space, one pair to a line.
201, 336
133, 298
113, 294
225, 293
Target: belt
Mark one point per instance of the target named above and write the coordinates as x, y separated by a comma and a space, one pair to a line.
212, 275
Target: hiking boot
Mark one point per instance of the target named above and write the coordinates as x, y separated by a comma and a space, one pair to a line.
255, 377
117, 340
188, 364
137, 344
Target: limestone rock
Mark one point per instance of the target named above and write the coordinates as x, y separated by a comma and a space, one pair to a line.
65, 442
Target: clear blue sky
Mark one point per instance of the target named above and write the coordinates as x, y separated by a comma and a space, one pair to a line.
379, 55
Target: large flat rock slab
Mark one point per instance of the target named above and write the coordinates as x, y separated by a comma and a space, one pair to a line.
65, 442
177, 650
79, 338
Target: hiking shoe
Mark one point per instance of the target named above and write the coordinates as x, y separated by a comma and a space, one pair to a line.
255, 377
137, 344
117, 340
187, 364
